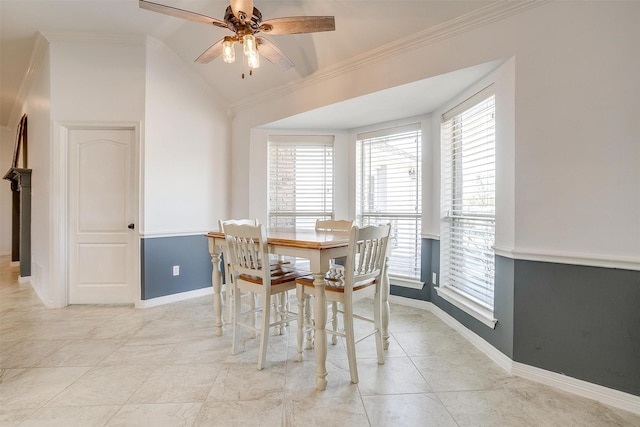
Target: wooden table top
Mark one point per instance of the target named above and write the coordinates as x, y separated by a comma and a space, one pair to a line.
308, 239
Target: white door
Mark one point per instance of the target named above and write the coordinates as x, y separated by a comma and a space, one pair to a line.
102, 232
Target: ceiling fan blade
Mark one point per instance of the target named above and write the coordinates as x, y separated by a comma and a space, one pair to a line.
211, 53
179, 13
244, 6
298, 25
273, 54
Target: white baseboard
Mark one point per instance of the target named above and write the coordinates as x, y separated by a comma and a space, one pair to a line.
24, 279
14, 264
154, 302
501, 359
608, 396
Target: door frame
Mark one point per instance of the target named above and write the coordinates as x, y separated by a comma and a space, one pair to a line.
59, 205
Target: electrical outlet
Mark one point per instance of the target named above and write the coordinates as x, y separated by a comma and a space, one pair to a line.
176, 270
434, 278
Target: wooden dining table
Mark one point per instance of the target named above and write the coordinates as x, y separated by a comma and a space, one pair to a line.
319, 247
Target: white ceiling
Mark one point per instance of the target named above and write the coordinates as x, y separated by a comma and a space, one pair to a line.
361, 26
408, 100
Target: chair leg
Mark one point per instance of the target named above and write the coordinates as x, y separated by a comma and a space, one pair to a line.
307, 321
377, 318
349, 335
229, 294
237, 303
301, 319
284, 307
264, 331
228, 312
252, 307
281, 303
275, 301
334, 323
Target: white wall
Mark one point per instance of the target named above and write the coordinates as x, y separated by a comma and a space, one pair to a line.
577, 133
37, 106
122, 80
576, 156
7, 141
186, 157
95, 80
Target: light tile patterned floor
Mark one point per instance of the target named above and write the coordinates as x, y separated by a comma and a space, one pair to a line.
164, 366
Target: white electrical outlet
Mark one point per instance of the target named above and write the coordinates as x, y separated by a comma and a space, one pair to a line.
434, 278
176, 270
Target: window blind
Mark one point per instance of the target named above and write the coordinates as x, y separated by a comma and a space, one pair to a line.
300, 181
389, 191
468, 198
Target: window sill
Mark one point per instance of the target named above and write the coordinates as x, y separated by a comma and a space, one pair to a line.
465, 304
405, 282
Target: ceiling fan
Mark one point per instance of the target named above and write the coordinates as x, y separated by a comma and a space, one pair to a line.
246, 21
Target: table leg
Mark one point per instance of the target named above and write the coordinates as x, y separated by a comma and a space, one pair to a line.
307, 321
216, 282
385, 289
320, 312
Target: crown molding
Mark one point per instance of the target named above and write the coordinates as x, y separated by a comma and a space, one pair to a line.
478, 18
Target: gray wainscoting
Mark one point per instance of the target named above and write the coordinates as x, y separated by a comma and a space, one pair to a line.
160, 254
580, 321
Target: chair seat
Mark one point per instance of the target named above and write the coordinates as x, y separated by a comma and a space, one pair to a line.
333, 284
278, 277
278, 263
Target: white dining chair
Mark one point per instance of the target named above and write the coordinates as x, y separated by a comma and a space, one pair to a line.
362, 276
228, 305
275, 263
336, 266
251, 272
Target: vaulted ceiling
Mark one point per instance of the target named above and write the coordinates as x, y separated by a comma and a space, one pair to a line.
361, 27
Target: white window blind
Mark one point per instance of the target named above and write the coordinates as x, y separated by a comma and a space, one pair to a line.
467, 261
389, 191
300, 181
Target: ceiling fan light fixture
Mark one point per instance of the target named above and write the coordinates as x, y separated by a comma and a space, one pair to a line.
250, 50
228, 50
253, 60
244, 20
249, 45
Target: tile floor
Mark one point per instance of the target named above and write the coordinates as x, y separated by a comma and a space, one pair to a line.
163, 366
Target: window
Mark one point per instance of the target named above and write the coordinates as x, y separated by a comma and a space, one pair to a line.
467, 261
389, 190
300, 180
